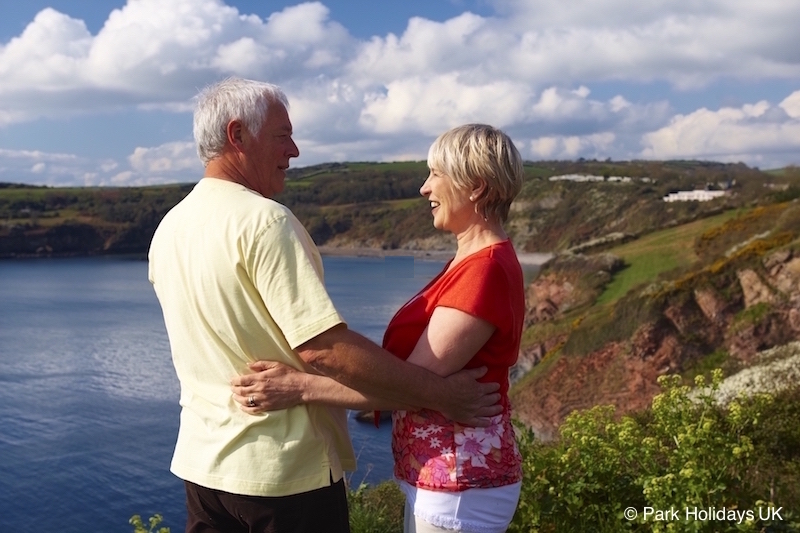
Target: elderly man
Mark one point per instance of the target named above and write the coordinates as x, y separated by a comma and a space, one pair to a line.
239, 279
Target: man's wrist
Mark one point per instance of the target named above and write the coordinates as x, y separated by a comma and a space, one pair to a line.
444, 392
308, 394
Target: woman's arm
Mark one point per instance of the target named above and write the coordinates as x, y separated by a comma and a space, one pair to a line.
450, 340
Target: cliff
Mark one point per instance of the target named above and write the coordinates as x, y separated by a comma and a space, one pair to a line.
721, 312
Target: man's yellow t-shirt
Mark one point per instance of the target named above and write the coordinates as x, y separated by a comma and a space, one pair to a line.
239, 279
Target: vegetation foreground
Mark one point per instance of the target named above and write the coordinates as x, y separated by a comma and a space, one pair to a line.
687, 464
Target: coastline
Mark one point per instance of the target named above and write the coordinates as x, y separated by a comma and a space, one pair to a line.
525, 258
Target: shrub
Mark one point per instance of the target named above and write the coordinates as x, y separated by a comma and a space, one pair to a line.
376, 509
685, 454
153, 523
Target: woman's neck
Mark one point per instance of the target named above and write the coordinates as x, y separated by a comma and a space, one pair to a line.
476, 237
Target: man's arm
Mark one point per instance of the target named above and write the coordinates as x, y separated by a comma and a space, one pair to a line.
274, 386
359, 364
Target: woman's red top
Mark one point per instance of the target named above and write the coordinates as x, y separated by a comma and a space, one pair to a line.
431, 451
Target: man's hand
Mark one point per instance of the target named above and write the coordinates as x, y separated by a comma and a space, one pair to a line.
472, 403
271, 387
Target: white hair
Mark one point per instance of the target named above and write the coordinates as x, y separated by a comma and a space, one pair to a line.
227, 100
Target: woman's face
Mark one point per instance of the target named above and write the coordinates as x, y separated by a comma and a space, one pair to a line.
451, 208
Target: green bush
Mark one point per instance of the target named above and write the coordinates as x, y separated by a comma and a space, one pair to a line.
686, 457
153, 523
376, 509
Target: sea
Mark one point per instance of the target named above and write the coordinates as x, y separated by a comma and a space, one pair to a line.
88, 394
89, 398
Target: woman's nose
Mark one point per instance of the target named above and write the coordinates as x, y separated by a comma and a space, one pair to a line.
425, 190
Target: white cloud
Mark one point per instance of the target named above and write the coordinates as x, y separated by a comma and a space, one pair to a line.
304, 25
152, 51
169, 158
431, 105
327, 110
757, 134
426, 48
168, 163
547, 42
791, 104
47, 55
595, 146
108, 166
244, 55
33, 166
536, 68
618, 103
155, 54
126, 178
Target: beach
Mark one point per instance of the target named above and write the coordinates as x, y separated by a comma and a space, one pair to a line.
532, 259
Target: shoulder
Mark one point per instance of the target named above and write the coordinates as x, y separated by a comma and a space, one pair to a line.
491, 261
249, 209
490, 272
234, 197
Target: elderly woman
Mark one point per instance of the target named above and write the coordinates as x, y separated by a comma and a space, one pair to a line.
470, 315
455, 477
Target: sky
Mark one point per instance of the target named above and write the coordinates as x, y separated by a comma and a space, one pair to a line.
101, 92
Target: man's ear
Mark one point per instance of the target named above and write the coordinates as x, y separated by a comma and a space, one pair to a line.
235, 133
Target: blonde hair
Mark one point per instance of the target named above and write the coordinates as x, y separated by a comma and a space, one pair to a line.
478, 153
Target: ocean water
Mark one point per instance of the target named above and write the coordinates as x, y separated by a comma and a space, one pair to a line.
88, 395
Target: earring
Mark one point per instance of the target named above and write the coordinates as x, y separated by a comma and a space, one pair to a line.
471, 198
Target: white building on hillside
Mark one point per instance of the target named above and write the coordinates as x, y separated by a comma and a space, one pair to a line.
576, 177
693, 196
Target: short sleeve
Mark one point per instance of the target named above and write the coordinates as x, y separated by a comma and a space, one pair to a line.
481, 288
287, 272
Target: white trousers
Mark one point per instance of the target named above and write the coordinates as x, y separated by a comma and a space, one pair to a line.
470, 511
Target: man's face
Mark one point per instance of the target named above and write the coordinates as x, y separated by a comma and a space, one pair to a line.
269, 152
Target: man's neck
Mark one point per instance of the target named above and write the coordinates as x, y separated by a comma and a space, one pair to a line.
221, 169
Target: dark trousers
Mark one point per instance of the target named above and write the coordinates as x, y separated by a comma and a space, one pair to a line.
318, 511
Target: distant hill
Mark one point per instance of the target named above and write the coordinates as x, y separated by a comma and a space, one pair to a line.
378, 205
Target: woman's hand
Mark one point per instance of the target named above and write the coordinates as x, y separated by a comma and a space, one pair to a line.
271, 387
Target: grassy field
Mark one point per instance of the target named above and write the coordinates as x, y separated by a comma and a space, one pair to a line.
656, 253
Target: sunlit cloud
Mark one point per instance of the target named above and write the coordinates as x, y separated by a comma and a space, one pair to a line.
758, 133
564, 81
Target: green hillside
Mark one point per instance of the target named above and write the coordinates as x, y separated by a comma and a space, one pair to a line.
378, 205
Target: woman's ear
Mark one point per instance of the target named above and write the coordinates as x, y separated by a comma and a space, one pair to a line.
479, 191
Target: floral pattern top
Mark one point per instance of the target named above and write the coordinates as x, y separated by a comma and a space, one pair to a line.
434, 453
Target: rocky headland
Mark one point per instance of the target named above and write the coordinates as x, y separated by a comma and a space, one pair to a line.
756, 309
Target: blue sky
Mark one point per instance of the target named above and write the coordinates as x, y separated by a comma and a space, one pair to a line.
100, 92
